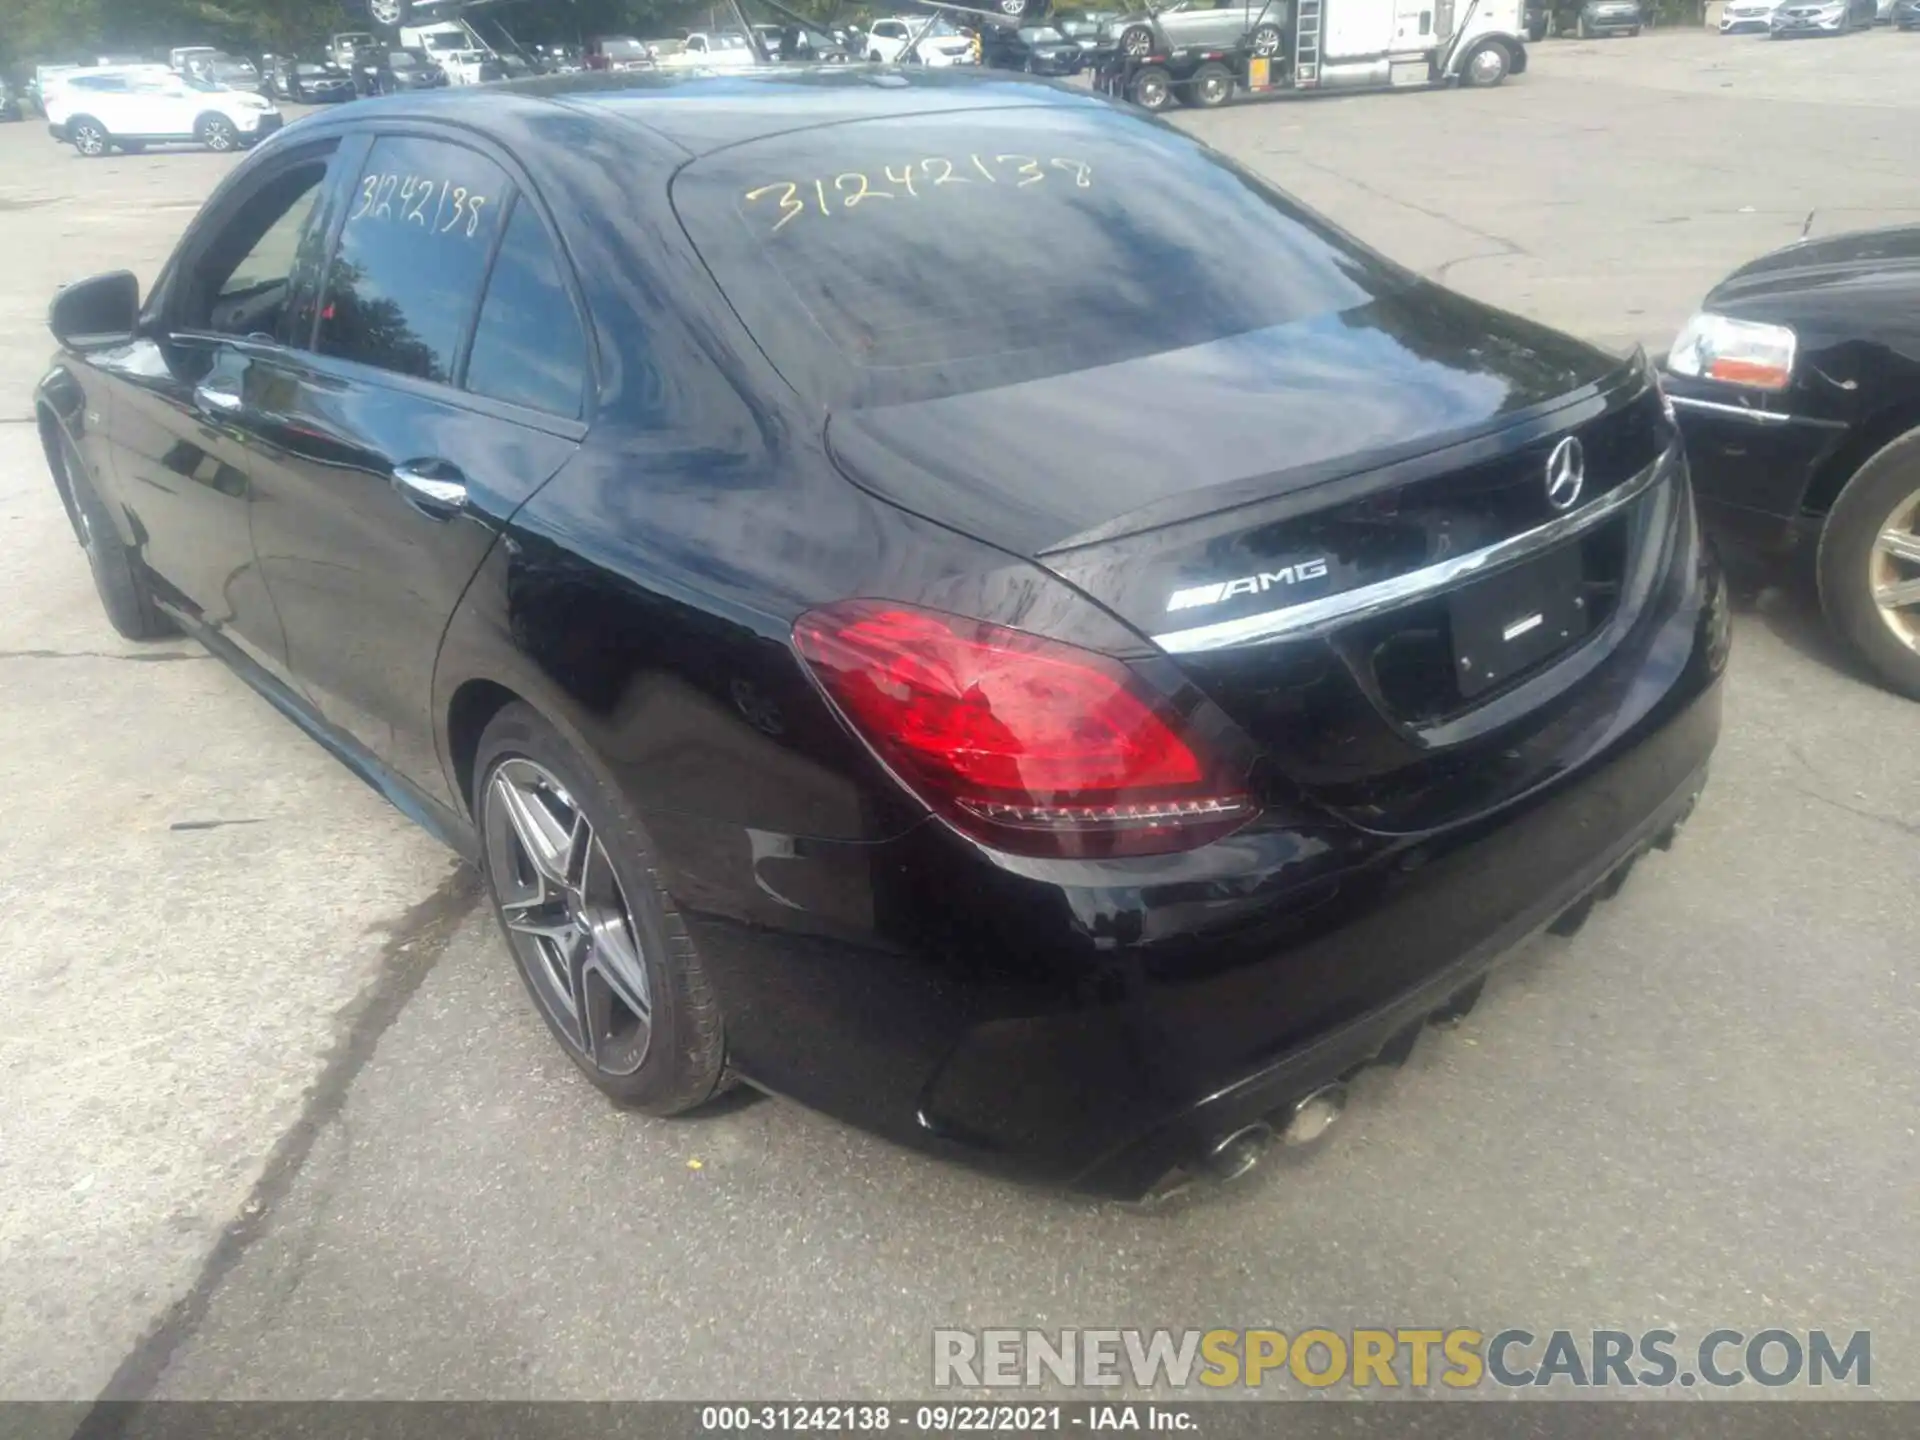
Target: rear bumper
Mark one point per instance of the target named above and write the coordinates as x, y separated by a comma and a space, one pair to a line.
1099, 1023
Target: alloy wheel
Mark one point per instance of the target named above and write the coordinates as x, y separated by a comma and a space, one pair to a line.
90, 140
1137, 42
1266, 41
1894, 571
567, 917
219, 136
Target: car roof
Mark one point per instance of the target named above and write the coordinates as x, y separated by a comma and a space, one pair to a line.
703, 113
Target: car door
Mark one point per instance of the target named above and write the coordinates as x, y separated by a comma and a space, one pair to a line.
105, 98
167, 109
446, 380
182, 462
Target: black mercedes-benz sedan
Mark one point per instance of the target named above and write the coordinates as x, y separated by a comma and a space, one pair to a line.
1798, 391
1065, 716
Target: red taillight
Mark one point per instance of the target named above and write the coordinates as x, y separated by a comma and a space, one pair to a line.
1034, 746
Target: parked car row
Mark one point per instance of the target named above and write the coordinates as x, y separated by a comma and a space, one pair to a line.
1785, 19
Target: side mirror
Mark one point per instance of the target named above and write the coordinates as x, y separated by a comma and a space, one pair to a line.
94, 313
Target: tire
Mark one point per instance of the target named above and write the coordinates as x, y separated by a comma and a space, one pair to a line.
88, 136
217, 133
873, 58
1266, 41
672, 1059
1537, 30
389, 12
1136, 40
1152, 89
118, 577
1211, 87
1884, 495
1486, 66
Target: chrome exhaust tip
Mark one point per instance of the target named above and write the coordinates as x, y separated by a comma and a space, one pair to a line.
1236, 1154
1313, 1114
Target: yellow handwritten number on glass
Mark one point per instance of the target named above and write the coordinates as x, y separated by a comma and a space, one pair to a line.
1030, 170
1082, 172
905, 177
946, 175
369, 187
789, 205
840, 184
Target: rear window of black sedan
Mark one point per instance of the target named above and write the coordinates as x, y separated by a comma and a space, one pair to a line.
914, 257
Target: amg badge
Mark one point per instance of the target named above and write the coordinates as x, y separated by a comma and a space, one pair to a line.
1197, 595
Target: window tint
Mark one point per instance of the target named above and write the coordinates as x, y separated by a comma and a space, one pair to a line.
413, 252
871, 259
528, 347
244, 277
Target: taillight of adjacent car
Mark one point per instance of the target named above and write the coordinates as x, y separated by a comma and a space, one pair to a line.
1031, 746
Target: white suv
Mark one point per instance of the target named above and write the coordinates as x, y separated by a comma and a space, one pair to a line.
130, 108
940, 43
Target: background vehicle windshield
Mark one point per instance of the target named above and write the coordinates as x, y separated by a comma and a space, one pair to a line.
726, 42
1041, 35
922, 257
623, 49
402, 60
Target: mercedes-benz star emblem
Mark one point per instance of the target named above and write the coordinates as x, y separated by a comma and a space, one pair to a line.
1566, 473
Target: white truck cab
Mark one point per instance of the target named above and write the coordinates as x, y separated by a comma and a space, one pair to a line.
1407, 42
711, 50
453, 46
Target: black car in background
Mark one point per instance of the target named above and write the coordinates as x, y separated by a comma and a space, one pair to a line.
1798, 390
1068, 716
1036, 49
1609, 17
382, 71
310, 82
1906, 14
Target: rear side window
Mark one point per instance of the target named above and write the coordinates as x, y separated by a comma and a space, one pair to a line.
924, 256
528, 347
406, 278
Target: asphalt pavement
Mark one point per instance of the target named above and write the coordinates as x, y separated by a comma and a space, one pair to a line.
279, 1121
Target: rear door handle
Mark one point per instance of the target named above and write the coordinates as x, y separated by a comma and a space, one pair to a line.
220, 395
434, 488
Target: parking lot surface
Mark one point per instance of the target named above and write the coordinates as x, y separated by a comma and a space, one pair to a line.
280, 1122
